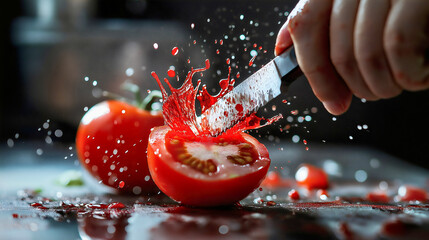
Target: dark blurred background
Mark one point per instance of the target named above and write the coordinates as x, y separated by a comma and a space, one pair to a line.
58, 55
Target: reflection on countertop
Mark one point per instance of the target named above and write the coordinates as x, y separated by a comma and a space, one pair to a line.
31, 203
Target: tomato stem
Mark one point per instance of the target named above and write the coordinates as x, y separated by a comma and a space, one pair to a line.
133, 88
146, 103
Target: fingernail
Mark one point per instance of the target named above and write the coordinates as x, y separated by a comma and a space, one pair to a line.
334, 107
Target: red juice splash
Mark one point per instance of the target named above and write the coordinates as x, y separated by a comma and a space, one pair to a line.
179, 107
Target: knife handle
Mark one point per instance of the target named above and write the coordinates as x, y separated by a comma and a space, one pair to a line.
288, 68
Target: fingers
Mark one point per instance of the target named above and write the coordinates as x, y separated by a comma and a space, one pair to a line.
284, 39
309, 30
342, 48
407, 43
369, 49
372, 49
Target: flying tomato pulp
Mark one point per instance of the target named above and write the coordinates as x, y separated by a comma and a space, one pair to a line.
193, 167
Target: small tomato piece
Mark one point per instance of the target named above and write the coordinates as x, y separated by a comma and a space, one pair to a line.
206, 171
294, 195
311, 177
410, 193
111, 144
377, 196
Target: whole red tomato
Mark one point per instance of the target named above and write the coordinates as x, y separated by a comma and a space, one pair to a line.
206, 171
111, 144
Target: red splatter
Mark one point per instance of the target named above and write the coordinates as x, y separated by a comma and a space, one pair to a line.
239, 108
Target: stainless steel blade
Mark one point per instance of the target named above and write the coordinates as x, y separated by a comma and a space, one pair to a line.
244, 99
251, 94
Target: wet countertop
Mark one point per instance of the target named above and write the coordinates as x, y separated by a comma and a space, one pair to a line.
29, 174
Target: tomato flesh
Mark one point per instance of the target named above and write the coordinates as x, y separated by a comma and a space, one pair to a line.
111, 144
206, 171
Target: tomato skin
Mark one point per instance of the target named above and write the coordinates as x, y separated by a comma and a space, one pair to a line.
113, 136
200, 192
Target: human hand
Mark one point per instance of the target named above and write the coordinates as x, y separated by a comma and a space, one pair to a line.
370, 49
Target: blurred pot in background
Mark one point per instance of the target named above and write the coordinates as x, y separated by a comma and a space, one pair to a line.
66, 56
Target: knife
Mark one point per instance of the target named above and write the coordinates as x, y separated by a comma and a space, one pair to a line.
253, 93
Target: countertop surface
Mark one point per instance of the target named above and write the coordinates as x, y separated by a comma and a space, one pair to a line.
29, 174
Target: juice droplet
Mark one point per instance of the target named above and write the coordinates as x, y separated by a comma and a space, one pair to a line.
284, 101
195, 41
171, 73
238, 75
217, 51
252, 60
215, 41
228, 61
255, 45
189, 60
260, 48
221, 42
121, 184
174, 51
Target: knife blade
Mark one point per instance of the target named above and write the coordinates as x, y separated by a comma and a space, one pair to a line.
253, 93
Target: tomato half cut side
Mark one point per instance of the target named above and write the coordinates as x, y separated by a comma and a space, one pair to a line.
206, 171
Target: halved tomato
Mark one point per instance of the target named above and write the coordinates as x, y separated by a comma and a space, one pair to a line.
206, 171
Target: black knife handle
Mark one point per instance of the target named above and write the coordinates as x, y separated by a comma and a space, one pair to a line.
288, 68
